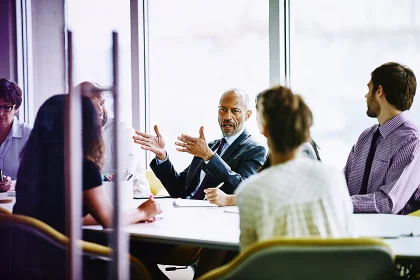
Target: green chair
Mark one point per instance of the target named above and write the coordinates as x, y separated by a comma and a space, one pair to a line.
31, 249
344, 259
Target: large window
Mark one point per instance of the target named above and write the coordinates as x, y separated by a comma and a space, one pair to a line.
197, 50
92, 23
335, 45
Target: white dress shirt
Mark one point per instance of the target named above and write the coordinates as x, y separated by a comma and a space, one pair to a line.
12, 146
131, 157
299, 198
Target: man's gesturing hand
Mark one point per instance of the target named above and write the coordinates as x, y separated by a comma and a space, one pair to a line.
155, 144
195, 146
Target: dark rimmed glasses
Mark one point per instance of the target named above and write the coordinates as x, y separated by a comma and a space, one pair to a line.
7, 108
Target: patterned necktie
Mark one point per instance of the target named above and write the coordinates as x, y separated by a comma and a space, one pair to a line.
199, 194
369, 160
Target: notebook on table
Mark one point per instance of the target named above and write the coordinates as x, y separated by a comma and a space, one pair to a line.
11, 193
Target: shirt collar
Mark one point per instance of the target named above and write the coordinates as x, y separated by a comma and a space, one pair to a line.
393, 124
231, 139
109, 123
16, 132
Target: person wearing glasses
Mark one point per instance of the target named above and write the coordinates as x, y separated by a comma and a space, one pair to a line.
13, 133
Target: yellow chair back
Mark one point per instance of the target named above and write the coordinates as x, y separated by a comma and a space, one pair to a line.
416, 213
313, 258
156, 186
31, 226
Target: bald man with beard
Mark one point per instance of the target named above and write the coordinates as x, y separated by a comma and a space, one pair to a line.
228, 160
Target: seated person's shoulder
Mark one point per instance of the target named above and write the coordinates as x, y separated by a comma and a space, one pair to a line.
128, 129
316, 167
329, 176
252, 144
410, 130
25, 129
368, 131
125, 127
88, 164
251, 184
91, 175
254, 141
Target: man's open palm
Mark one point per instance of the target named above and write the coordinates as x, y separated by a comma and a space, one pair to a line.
195, 146
152, 143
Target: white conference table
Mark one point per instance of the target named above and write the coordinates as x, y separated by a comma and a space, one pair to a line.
218, 228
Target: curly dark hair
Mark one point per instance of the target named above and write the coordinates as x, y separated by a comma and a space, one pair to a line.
45, 149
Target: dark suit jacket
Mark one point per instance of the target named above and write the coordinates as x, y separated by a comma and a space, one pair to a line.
240, 160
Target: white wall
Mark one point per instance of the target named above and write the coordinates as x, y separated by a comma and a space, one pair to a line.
48, 50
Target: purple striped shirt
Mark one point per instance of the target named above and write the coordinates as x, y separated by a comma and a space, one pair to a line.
394, 181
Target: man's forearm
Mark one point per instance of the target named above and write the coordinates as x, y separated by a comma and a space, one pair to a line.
372, 203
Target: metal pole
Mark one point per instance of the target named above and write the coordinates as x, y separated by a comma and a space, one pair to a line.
139, 26
287, 43
73, 171
274, 41
136, 70
120, 268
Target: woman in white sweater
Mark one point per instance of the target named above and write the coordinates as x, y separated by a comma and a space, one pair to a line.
295, 196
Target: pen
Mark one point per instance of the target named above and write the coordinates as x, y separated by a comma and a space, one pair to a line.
217, 187
128, 177
220, 185
155, 197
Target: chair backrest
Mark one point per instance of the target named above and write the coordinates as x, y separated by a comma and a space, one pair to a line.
415, 213
5, 211
30, 249
156, 186
345, 259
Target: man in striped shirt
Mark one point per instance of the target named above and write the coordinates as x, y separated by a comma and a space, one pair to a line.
383, 168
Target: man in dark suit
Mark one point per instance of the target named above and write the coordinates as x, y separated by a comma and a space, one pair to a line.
229, 160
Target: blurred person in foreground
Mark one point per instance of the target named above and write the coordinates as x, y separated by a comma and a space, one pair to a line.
40, 187
382, 169
307, 150
295, 196
13, 133
132, 168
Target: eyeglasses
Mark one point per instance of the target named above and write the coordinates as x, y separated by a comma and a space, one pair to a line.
7, 108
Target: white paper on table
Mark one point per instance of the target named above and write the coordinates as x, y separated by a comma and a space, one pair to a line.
192, 203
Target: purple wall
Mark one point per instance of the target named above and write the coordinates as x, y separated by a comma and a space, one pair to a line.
7, 40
